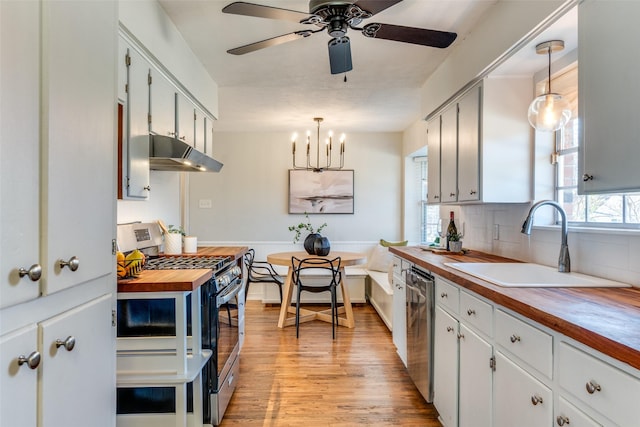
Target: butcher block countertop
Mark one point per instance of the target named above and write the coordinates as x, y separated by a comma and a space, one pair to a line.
179, 280
605, 319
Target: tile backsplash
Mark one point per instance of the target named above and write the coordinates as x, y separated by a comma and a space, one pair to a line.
495, 228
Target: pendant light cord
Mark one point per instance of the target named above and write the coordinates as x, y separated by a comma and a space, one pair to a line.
549, 51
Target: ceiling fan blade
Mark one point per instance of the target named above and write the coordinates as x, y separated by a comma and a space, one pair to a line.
260, 11
340, 55
376, 6
413, 35
269, 42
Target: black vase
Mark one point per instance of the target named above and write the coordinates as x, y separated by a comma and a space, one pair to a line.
309, 243
321, 246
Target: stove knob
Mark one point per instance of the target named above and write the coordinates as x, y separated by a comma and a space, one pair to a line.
237, 270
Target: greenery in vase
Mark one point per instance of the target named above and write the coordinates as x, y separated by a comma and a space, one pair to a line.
173, 229
305, 226
455, 237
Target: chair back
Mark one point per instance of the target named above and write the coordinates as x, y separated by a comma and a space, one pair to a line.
299, 266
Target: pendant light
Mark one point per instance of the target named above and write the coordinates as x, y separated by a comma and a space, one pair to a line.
549, 112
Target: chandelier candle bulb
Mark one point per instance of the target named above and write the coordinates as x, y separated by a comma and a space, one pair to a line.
328, 150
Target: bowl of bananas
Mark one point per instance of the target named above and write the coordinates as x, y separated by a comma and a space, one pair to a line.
130, 265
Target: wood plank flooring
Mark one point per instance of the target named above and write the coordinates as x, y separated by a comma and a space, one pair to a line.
358, 379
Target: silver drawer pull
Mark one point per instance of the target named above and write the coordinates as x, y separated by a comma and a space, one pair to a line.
562, 420
34, 272
592, 387
32, 361
443, 295
68, 343
73, 263
515, 338
535, 399
471, 312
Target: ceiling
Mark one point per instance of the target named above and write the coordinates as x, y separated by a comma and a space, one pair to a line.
281, 88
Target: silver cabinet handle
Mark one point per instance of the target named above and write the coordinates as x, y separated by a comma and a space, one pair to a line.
515, 338
562, 420
535, 399
460, 336
34, 272
32, 361
449, 329
586, 177
452, 194
472, 192
471, 312
183, 137
68, 343
592, 387
147, 188
73, 263
436, 197
443, 295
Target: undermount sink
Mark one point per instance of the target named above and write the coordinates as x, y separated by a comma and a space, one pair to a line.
525, 275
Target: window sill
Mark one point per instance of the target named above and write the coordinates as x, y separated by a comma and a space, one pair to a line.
593, 230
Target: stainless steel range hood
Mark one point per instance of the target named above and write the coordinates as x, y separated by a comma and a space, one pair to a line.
171, 154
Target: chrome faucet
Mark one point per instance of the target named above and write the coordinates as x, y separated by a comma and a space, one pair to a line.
564, 262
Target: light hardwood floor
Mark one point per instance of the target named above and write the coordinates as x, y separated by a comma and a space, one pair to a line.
358, 379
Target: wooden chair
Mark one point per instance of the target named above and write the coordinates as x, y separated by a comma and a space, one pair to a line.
332, 281
260, 272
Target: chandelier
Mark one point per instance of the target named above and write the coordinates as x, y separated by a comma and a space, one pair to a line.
328, 150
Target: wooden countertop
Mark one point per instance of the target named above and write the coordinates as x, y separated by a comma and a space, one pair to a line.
179, 280
606, 319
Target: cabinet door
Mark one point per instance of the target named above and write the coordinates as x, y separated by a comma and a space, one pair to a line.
570, 416
200, 130
208, 136
138, 130
399, 320
445, 368
433, 160
79, 110
89, 387
185, 114
469, 146
519, 399
20, 148
608, 101
18, 405
162, 101
475, 380
449, 155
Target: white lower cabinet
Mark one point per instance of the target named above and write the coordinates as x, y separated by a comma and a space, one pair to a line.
399, 320
462, 373
61, 371
519, 398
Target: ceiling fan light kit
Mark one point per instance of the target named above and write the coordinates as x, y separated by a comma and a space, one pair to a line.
328, 149
549, 112
337, 17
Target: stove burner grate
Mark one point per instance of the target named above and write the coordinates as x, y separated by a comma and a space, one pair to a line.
186, 263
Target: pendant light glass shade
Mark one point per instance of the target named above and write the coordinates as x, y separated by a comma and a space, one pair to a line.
549, 112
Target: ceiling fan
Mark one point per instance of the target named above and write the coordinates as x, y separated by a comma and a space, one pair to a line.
337, 16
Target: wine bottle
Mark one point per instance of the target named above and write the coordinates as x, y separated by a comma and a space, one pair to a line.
451, 229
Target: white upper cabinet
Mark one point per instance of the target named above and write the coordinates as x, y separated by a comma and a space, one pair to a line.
186, 119
433, 160
162, 110
609, 98
137, 129
79, 106
485, 145
19, 150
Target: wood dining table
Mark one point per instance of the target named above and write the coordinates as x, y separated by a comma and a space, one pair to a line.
347, 259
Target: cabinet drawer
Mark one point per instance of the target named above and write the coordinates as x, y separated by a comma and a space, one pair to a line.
525, 341
599, 385
476, 312
570, 416
447, 295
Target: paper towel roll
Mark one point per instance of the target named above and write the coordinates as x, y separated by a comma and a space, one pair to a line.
190, 244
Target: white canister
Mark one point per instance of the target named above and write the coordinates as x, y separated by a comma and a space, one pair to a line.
173, 243
190, 244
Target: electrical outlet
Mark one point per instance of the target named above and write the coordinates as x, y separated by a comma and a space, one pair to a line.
204, 204
496, 231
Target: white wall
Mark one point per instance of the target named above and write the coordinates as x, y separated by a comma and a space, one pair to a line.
250, 194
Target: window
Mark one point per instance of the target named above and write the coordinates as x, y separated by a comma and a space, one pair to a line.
615, 210
429, 214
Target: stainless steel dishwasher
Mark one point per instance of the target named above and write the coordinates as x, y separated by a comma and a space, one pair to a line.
420, 311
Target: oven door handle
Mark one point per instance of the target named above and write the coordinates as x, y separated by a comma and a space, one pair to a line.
230, 292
